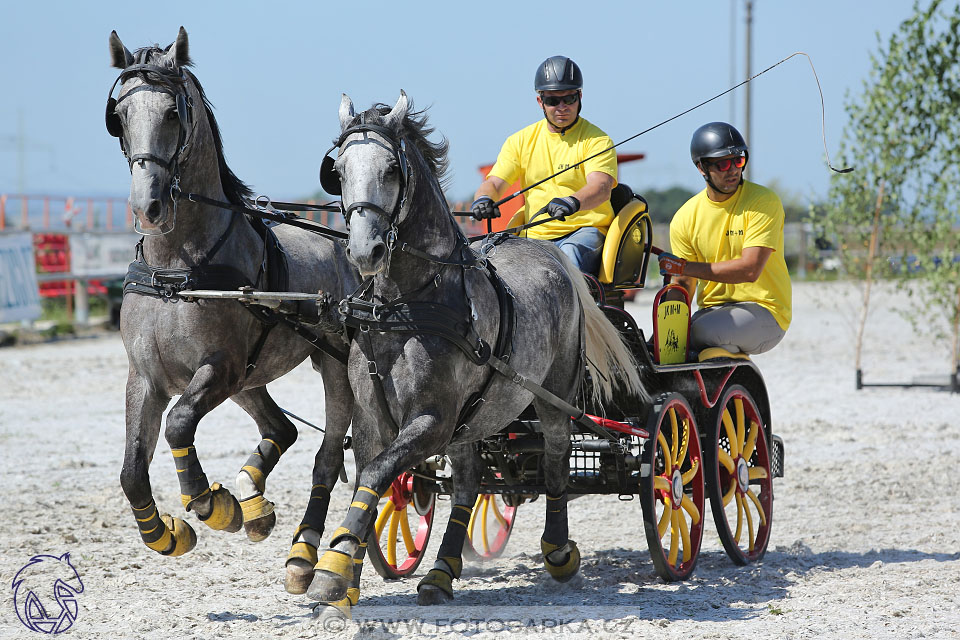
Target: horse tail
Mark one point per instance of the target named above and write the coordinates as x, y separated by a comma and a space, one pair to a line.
609, 360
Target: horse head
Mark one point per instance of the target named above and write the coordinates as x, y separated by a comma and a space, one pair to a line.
374, 181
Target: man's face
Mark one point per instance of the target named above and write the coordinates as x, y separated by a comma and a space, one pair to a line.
724, 172
560, 114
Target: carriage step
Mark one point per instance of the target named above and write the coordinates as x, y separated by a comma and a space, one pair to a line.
776, 457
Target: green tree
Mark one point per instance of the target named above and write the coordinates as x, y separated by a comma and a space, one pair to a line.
663, 203
901, 205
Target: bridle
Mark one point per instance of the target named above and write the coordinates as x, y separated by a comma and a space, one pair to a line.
184, 109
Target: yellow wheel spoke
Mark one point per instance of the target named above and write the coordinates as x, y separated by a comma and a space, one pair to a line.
729, 494
736, 536
746, 510
751, 440
731, 433
382, 518
661, 483
664, 520
687, 505
392, 537
726, 461
685, 537
674, 538
496, 512
692, 473
684, 442
473, 515
757, 473
756, 501
405, 532
673, 433
665, 449
483, 526
741, 427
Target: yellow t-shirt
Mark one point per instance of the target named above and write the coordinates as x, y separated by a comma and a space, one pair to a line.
707, 231
534, 152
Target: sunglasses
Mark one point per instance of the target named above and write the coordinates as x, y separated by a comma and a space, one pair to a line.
724, 164
553, 101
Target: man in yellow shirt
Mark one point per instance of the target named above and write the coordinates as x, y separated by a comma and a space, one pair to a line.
729, 237
578, 200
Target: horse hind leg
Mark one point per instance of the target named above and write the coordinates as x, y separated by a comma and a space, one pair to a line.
164, 534
437, 586
561, 557
214, 504
277, 435
338, 407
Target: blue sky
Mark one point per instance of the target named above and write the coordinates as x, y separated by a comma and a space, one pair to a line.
275, 71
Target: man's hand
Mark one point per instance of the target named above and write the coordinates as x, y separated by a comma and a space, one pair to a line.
671, 264
483, 208
560, 208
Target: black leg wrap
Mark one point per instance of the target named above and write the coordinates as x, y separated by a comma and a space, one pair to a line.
262, 461
193, 482
360, 516
555, 530
315, 515
153, 532
451, 548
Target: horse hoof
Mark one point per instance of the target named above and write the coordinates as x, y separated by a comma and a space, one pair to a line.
430, 595
260, 529
299, 576
327, 586
561, 562
225, 512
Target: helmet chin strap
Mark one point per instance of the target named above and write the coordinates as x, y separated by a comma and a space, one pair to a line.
706, 178
563, 130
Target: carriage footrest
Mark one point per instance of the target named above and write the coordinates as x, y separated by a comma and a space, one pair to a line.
776, 457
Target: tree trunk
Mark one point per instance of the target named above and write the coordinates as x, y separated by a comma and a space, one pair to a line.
868, 277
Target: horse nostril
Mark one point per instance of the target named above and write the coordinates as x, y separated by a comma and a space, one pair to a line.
153, 210
379, 253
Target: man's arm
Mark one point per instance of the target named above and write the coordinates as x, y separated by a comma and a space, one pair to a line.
596, 191
746, 268
492, 187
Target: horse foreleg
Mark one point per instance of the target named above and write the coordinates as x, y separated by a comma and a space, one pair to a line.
277, 435
335, 569
437, 586
561, 557
144, 409
215, 505
338, 407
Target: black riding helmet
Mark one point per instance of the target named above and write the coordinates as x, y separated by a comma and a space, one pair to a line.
715, 140
558, 73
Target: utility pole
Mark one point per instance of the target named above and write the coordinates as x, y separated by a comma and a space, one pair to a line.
746, 106
733, 59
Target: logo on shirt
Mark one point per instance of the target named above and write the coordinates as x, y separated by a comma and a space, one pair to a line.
563, 166
734, 232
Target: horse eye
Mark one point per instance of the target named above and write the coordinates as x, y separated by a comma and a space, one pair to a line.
171, 115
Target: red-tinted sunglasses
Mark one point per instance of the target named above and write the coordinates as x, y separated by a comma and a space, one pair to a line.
724, 164
553, 101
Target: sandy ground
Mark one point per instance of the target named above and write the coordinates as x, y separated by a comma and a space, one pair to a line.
865, 542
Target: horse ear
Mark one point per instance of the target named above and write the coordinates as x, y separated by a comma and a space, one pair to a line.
120, 56
398, 113
179, 51
346, 111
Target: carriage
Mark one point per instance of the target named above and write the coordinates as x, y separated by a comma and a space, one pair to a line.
707, 435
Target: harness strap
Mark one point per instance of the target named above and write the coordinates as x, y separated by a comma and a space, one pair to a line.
378, 393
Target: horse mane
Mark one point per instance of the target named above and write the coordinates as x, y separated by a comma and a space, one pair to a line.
416, 129
234, 188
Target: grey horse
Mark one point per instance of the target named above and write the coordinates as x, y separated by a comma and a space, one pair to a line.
209, 350
420, 386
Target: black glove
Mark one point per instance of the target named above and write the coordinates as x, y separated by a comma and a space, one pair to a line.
560, 208
483, 208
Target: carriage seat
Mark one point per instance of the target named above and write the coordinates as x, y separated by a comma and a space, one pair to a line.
626, 250
712, 353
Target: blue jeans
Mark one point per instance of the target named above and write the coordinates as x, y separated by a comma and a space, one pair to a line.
584, 246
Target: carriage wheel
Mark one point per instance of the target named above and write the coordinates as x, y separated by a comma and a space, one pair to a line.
490, 526
671, 488
739, 480
402, 530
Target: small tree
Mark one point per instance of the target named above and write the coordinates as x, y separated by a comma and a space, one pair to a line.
898, 214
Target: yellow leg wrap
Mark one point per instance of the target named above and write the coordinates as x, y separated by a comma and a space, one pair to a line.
566, 571
345, 605
337, 563
163, 542
303, 551
183, 534
225, 515
186, 500
255, 508
439, 579
257, 476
